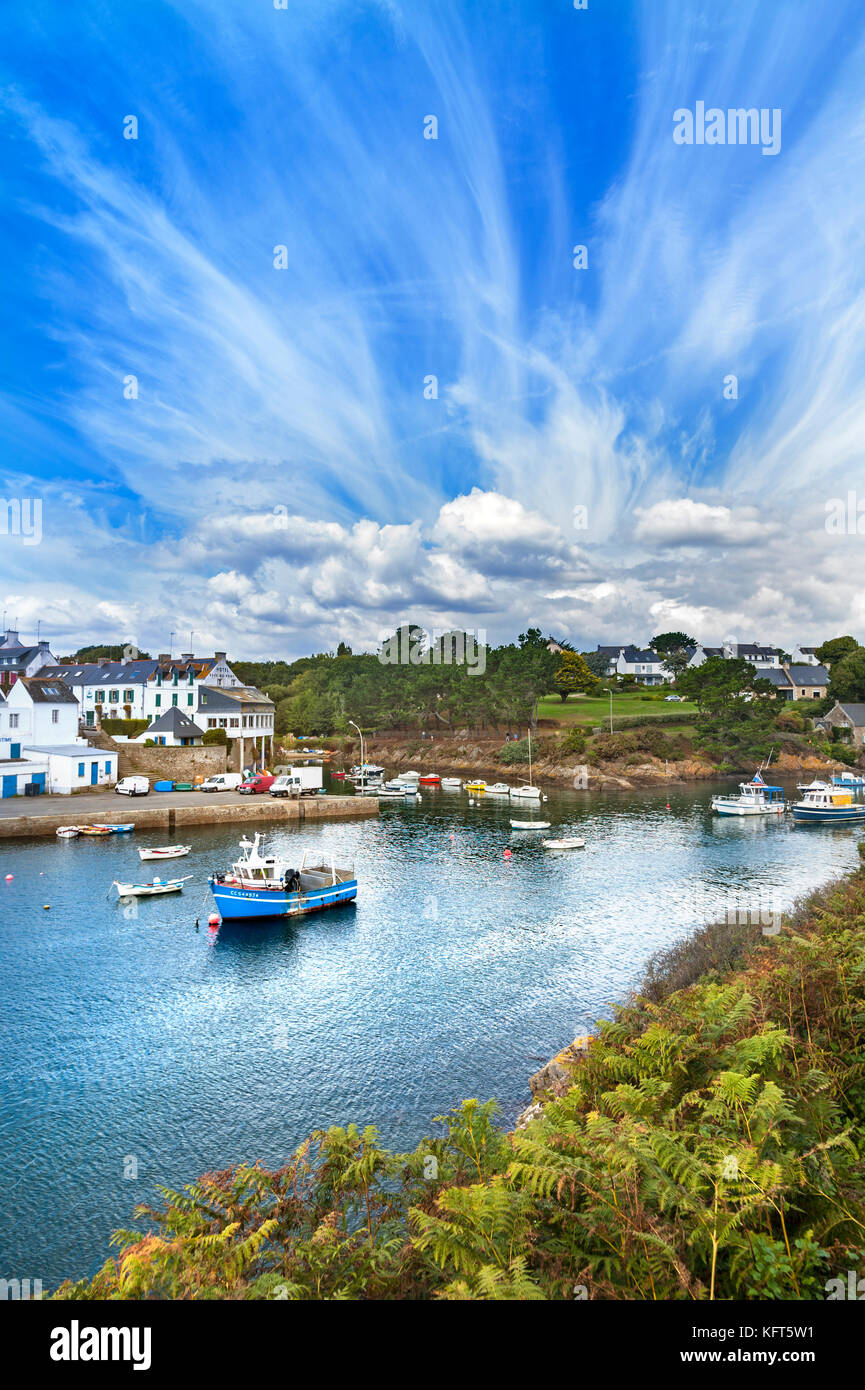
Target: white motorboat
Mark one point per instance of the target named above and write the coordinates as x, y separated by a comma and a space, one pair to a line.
530, 824
497, 789
815, 786
67, 832
165, 852
411, 777
151, 890
756, 798
569, 842
451, 784
389, 793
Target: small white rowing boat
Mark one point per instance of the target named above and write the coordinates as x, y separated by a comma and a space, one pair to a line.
572, 843
150, 890
165, 852
67, 832
530, 824
451, 784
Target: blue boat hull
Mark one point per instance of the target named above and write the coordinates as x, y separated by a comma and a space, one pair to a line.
234, 902
840, 815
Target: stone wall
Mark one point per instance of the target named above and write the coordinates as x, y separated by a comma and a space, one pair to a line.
169, 813
174, 764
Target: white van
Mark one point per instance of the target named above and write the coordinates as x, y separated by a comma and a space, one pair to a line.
222, 782
133, 786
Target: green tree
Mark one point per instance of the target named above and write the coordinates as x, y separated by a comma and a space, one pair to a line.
835, 649
573, 675
673, 649
597, 663
847, 677
717, 682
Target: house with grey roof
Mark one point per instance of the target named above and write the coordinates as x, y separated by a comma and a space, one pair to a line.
798, 682
849, 719
39, 743
172, 729
20, 659
106, 689
246, 715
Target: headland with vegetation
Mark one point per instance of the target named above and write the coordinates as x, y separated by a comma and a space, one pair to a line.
706, 1143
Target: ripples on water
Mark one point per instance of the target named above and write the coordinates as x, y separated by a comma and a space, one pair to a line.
135, 1039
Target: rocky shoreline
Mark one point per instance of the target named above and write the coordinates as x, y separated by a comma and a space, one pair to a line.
454, 759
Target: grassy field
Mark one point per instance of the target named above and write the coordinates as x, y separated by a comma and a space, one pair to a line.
580, 709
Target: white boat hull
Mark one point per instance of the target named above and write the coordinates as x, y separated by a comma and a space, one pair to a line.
166, 852
572, 843
151, 890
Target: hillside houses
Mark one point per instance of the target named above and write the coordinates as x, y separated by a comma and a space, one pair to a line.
647, 668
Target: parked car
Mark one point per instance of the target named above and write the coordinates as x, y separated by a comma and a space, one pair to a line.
262, 782
222, 782
678, 699
133, 786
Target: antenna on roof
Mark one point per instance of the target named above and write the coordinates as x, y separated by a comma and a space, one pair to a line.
38, 625
170, 645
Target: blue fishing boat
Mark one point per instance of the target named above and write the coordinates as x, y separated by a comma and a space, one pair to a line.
264, 886
828, 805
848, 779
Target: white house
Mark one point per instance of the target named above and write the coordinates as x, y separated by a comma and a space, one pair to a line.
39, 734
805, 656
17, 659
141, 687
246, 715
646, 666
764, 658
106, 689
176, 682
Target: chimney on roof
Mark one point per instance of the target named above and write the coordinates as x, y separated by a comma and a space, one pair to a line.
43, 646
105, 661
163, 658
219, 656
187, 656
11, 637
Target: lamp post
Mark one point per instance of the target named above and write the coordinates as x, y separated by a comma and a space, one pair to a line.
357, 726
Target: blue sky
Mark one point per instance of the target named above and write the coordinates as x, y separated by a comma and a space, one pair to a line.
282, 482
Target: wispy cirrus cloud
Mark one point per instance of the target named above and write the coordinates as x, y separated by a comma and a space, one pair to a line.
298, 394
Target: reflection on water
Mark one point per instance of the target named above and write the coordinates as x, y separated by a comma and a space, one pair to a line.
128, 1034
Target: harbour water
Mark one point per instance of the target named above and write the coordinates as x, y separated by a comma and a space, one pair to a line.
137, 1050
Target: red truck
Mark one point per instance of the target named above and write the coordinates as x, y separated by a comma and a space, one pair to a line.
262, 782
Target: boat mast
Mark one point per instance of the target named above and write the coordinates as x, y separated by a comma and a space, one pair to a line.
530, 756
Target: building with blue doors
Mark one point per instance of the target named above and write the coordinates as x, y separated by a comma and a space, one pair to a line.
40, 751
